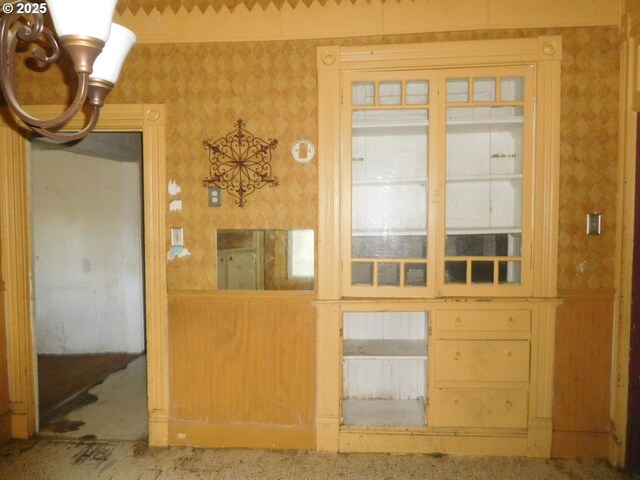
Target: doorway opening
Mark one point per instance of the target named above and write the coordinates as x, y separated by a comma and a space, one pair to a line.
633, 414
88, 286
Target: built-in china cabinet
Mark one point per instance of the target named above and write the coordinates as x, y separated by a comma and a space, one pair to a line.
438, 167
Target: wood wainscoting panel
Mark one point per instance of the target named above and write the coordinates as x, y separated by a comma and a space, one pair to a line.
243, 435
582, 374
241, 358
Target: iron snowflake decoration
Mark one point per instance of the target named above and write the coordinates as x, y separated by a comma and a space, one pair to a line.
240, 163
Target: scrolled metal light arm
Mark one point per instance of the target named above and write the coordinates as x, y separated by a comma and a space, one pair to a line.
17, 28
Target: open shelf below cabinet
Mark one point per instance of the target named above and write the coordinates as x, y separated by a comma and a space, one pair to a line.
382, 412
396, 349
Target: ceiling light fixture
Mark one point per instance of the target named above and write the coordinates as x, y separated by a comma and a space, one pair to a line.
84, 29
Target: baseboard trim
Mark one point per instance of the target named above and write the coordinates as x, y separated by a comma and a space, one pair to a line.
19, 425
580, 444
242, 435
158, 432
5, 427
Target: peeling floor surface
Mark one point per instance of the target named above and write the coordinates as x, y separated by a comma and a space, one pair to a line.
86, 453
113, 409
64, 459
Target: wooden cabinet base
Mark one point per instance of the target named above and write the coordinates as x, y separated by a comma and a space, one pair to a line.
458, 443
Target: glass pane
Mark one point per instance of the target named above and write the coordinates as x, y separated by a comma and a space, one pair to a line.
389, 274
482, 272
487, 244
363, 93
389, 183
362, 273
455, 271
415, 274
300, 254
509, 272
512, 89
417, 92
457, 90
484, 180
484, 89
389, 246
390, 93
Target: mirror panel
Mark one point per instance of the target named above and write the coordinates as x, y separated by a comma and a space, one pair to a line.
266, 259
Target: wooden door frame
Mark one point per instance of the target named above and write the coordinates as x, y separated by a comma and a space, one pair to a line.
625, 220
15, 234
632, 453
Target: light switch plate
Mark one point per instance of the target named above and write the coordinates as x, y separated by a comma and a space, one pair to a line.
594, 223
177, 237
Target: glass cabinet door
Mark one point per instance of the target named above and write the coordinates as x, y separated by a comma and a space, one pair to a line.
487, 145
436, 176
388, 182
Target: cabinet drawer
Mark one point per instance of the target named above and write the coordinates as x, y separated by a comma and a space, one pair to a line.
469, 407
482, 360
484, 320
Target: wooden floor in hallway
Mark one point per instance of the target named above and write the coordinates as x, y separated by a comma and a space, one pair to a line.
60, 377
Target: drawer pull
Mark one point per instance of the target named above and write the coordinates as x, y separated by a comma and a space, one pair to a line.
457, 356
508, 404
509, 354
510, 322
458, 321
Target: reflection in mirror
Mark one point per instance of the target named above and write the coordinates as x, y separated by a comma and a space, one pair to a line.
265, 259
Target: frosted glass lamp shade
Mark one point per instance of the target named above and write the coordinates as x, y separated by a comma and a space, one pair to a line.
87, 18
109, 63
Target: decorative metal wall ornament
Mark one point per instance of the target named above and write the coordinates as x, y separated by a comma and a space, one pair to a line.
240, 163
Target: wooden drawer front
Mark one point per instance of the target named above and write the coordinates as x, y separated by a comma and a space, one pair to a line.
484, 320
482, 360
469, 407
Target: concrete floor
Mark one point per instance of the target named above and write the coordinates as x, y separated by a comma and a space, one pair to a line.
63, 459
116, 409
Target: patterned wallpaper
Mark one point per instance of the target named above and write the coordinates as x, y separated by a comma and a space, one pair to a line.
272, 86
207, 89
588, 157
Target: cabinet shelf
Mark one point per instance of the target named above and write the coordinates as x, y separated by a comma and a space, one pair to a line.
485, 121
390, 181
389, 125
482, 230
384, 124
383, 412
484, 178
395, 232
383, 349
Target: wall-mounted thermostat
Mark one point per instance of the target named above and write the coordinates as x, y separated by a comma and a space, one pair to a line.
303, 151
